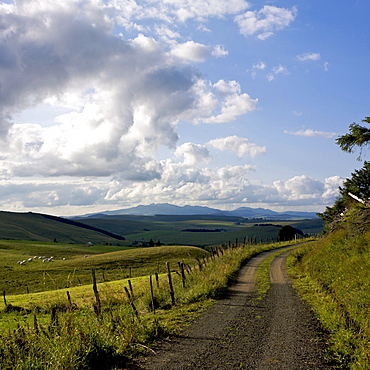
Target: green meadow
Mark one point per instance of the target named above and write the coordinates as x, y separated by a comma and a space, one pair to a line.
72, 264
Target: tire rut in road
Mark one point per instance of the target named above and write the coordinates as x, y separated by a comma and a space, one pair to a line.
244, 332
293, 337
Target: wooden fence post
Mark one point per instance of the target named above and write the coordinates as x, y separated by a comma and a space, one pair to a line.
172, 293
157, 279
54, 321
152, 293
5, 299
97, 305
182, 270
131, 289
69, 299
131, 302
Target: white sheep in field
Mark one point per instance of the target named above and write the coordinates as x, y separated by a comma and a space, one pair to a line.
30, 260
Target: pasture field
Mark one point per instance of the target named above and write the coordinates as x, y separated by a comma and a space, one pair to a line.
72, 264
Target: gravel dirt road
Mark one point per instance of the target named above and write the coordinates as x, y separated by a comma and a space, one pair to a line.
243, 332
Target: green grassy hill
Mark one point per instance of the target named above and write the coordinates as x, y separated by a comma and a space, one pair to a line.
39, 227
72, 264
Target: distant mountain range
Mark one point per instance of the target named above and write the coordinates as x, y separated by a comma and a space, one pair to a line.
170, 209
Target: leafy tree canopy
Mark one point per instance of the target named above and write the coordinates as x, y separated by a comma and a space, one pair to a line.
359, 185
358, 136
287, 233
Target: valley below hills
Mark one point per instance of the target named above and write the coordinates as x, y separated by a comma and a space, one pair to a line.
161, 223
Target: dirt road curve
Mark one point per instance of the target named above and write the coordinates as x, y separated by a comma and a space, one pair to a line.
241, 332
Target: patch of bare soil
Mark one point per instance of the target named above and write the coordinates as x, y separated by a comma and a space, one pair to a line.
244, 332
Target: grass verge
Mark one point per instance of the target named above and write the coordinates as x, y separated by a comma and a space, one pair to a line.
332, 274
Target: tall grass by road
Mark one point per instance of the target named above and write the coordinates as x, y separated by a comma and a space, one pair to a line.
333, 275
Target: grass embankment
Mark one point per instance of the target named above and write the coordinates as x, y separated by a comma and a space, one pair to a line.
52, 334
333, 275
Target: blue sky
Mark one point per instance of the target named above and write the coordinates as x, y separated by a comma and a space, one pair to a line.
110, 104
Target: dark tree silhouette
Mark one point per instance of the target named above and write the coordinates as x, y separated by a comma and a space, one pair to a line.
287, 232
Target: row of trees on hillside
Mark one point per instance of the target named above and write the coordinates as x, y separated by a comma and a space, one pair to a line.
356, 188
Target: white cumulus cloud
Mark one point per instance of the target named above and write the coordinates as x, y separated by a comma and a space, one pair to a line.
193, 153
240, 146
121, 99
234, 102
312, 133
191, 51
265, 22
308, 56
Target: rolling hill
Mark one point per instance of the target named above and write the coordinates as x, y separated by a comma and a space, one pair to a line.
41, 227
